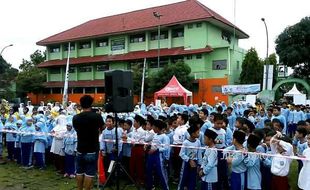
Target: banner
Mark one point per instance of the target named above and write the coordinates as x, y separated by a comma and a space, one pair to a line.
241, 89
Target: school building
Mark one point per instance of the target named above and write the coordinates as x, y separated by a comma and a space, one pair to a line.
189, 31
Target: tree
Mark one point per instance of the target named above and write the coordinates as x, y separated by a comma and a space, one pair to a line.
161, 78
31, 78
137, 70
7, 77
293, 48
252, 68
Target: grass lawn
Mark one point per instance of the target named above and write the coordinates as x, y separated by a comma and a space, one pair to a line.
12, 177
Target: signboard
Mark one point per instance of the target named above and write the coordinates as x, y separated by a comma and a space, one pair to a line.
250, 99
241, 89
118, 44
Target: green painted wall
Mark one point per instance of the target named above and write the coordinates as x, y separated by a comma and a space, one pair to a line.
177, 42
217, 54
119, 65
84, 52
137, 46
102, 50
163, 44
195, 38
53, 56
72, 54
55, 77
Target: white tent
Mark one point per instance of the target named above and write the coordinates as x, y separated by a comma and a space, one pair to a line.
293, 91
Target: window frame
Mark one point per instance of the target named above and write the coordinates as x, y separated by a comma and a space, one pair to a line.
85, 69
218, 67
82, 45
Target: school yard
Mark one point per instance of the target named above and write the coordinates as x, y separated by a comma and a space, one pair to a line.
12, 177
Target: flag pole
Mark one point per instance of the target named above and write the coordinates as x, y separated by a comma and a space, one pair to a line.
65, 92
143, 78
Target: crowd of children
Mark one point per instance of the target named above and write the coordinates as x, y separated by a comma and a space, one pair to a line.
192, 146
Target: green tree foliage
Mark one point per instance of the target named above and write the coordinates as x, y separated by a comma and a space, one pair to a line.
137, 70
161, 78
293, 48
252, 68
31, 78
7, 76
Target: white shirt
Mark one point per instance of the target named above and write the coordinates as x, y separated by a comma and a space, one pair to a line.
137, 135
179, 134
304, 175
281, 166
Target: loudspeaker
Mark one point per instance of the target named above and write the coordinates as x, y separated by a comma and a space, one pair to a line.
118, 91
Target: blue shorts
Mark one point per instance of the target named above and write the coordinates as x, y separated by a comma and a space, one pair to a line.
86, 164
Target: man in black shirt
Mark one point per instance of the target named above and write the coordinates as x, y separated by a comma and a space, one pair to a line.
87, 125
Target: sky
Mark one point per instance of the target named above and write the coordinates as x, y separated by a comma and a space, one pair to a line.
23, 23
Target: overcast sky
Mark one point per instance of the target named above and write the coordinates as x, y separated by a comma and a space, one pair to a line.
23, 23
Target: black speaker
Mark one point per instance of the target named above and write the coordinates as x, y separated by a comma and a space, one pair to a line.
118, 91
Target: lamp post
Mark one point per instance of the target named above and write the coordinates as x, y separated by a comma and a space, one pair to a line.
267, 65
158, 15
5, 48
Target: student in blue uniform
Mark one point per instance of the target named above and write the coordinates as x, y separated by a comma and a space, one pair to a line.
26, 140
220, 143
252, 162
70, 145
300, 142
155, 158
208, 170
266, 162
17, 143
126, 149
191, 159
40, 141
108, 149
10, 137
238, 168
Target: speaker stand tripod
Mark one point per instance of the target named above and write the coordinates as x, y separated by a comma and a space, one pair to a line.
117, 167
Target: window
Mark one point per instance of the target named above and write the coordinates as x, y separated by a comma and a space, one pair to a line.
100, 89
103, 67
78, 90
85, 69
226, 36
46, 91
56, 90
177, 33
198, 56
189, 57
102, 43
135, 64
216, 88
189, 26
198, 25
71, 69
54, 71
219, 64
85, 45
238, 65
72, 47
154, 63
137, 38
90, 90
118, 44
176, 59
55, 49
163, 35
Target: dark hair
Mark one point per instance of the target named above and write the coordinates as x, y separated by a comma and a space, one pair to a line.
277, 108
260, 133
239, 136
86, 101
302, 123
226, 121
205, 111
196, 120
271, 133
110, 117
286, 139
184, 117
230, 108
278, 121
253, 141
129, 122
250, 125
159, 124
302, 130
246, 113
210, 134
241, 120
172, 119
150, 119
219, 109
217, 117
192, 128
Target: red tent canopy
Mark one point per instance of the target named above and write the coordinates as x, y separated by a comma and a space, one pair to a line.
173, 89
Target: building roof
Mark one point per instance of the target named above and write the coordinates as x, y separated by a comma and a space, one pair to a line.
126, 57
172, 14
80, 83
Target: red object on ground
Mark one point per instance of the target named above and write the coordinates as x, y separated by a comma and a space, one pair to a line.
101, 172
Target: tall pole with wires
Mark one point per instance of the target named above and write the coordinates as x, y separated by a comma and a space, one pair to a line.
158, 15
266, 62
